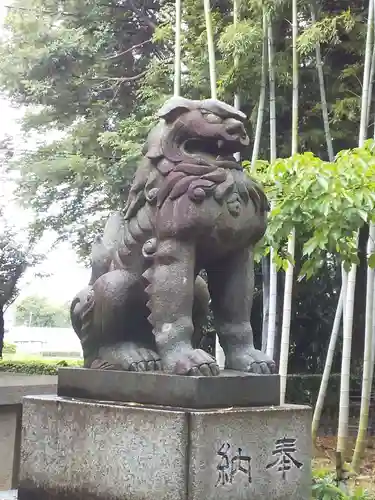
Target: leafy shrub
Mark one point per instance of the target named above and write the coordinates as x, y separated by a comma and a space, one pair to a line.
9, 348
325, 487
36, 367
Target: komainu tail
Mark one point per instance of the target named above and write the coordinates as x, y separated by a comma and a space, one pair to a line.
104, 248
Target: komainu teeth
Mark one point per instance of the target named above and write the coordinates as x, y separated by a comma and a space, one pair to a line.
220, 143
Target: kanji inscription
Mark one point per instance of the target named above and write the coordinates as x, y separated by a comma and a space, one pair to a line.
284, 449
231, 464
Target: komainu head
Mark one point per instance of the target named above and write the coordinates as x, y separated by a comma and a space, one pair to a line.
204, 132
191, 152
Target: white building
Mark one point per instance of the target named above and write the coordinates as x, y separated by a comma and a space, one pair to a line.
45, 341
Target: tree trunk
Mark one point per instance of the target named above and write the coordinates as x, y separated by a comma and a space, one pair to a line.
2, 330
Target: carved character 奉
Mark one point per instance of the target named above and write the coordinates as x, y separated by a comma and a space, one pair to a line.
190, 207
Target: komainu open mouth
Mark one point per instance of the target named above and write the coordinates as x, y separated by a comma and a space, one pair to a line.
211, 150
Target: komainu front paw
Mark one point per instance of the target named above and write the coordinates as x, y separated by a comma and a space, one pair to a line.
189, 361
128, 356
250, 360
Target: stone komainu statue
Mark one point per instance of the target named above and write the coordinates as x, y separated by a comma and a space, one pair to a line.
190, 207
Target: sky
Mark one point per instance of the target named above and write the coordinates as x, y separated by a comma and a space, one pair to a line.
66, 276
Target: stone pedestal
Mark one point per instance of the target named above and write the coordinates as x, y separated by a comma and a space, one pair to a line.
13, 387
90, 450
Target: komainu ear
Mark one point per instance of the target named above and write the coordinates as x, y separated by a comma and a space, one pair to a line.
175, 107
152, 147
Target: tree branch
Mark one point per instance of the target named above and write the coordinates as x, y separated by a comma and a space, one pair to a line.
136, 46
121, 79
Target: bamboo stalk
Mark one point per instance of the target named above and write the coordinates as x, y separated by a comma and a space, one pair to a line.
255, 154
343, 424
266, 300
272, 313
211, 48
328, 364
287, 305
287, 313
272, 83
262, 98
371, 84
368, 365
373, 329
323, 98
295, 80
237, 101
366, 75
342, 436
372, 69
177, 58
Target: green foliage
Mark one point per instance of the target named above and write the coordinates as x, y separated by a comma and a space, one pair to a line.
98, 71
14, 259
241, 39
326, 487
78, 68
37, 311
9, 348
325, 202
33, 367
328, 30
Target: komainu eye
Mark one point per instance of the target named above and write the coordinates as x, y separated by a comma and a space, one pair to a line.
211, 118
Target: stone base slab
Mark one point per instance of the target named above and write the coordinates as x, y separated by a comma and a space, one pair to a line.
80, 450
230, 388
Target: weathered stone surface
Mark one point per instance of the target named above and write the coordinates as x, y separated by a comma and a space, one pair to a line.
13, 387
218, 437
228, 389
93, 451
97, 451
10, 442
191, 207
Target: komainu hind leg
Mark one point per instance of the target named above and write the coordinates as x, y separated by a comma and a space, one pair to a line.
111, 324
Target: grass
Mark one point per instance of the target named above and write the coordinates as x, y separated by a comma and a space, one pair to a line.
324, 463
